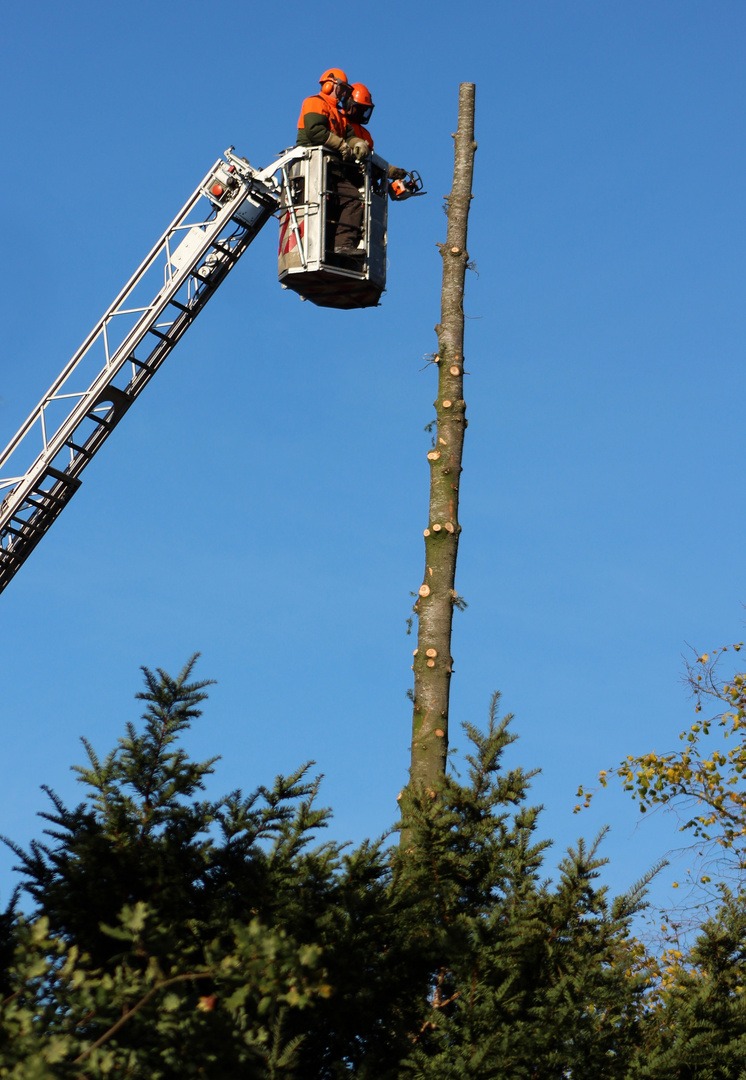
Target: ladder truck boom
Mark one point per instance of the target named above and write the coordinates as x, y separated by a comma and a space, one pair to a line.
127, 346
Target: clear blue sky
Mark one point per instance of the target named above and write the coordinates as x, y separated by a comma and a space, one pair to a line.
264, 501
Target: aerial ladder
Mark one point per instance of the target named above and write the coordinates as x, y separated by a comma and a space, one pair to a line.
160, 302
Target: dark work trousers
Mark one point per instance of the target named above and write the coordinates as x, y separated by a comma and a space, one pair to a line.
344, 212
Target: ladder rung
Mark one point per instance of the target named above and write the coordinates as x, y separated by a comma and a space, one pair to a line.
78, 449
70, 482
163, 337
48, 495
56, 474
23, 521
28, 525
228, 254
25, 525
98, 419
39, 507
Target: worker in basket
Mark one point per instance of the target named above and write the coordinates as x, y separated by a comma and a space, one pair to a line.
358, 110
322, 122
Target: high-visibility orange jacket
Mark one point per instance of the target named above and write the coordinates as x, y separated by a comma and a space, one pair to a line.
318, 116
362, 133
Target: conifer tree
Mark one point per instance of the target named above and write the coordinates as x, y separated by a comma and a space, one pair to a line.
210, 926
531, 980
230, 941
696, 1024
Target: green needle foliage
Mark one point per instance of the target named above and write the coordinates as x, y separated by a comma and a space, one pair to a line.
531, 980
177, 936
696, 1029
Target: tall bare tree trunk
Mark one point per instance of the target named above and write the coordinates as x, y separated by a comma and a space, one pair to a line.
437, 595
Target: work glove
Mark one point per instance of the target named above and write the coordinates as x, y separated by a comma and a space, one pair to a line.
337, 143
396, 174
360, 148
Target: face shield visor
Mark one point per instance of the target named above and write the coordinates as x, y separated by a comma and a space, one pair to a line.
342, 91
363, 113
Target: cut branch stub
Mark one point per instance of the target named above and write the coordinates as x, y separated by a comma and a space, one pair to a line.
424, 590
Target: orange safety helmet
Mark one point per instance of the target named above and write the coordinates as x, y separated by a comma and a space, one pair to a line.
360, 105
334, 82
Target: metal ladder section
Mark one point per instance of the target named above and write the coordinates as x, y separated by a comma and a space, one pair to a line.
127, 346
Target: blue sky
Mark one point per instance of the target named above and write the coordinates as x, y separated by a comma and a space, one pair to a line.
263, 503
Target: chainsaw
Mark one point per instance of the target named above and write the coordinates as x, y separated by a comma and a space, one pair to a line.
410, 186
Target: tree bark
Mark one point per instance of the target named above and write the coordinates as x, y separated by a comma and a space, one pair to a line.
433, 662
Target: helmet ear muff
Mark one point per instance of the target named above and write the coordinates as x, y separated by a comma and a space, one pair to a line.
331, 79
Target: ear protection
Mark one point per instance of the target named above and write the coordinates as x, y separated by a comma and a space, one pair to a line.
332, 77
